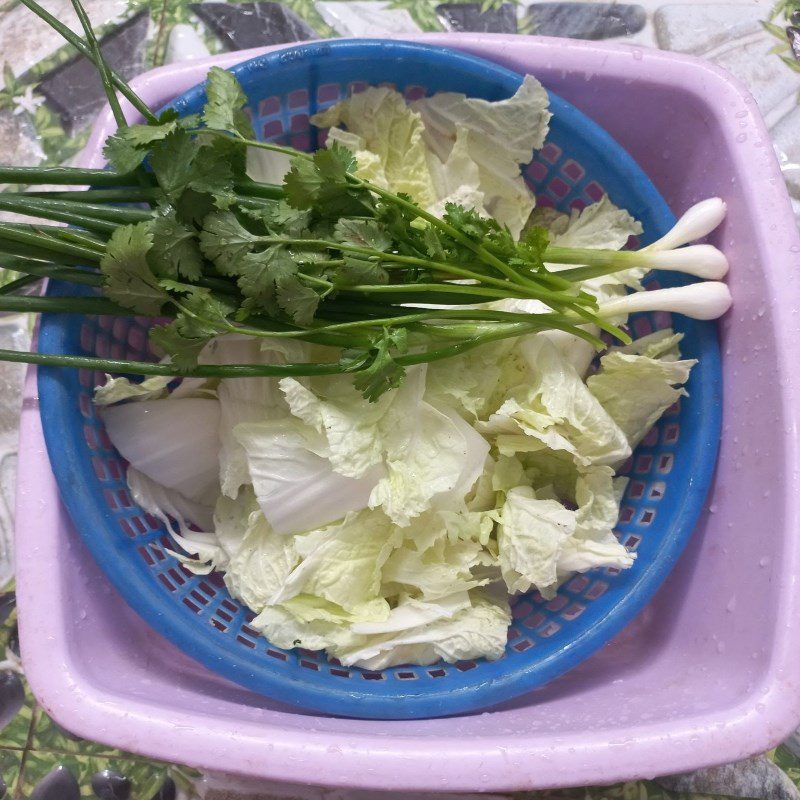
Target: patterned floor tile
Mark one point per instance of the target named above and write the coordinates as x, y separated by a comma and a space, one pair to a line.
16, 733
47, 735
253, 24
473, 17
10, 769
366, 18
580, 20
27, 41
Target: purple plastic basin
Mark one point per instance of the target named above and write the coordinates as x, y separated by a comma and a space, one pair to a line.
708, 673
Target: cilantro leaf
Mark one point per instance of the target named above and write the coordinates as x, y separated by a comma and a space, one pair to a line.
321, 183
433, 244
128, 278
335, 163
122, 155
127, 148
143, 135
375, 371
280, 217
175, 251
296, 299
180, 163
202, 316
259, 274
193, 207
171, 161
188, 122
302, 183
358, 270
212, 173
182, 350
226, 241
467, 220
202, 312
533, 244
225, 102
363, 233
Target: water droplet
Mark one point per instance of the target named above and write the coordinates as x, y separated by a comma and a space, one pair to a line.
712, 509
637, 54
794, 248
741, 137
763, 561
731, 607
742, 113
720, 647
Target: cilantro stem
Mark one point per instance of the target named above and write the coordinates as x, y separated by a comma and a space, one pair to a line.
438, 314
11, 251
594, 319
401, 296
63, 305
472, 290
129, 194
79, 45
319, 244
66, 176
253, 189
253, 370
100, 63
45, 244
237, 137
73, 235
19, 283
42, 270
618, 259
154, 368
414, 288
60, 215
510, 331
46, 207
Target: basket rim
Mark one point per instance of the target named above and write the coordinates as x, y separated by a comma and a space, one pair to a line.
368, 700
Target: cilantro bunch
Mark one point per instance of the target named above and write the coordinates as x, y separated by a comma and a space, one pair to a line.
327, 258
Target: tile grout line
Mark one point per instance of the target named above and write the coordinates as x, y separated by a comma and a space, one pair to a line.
27, 749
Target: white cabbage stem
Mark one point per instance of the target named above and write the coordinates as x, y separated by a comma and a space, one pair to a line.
707, 300
695, 223
702, 260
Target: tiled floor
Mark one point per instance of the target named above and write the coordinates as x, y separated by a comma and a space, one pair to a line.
48, 98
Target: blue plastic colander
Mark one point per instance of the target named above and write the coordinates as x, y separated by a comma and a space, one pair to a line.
670, 471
